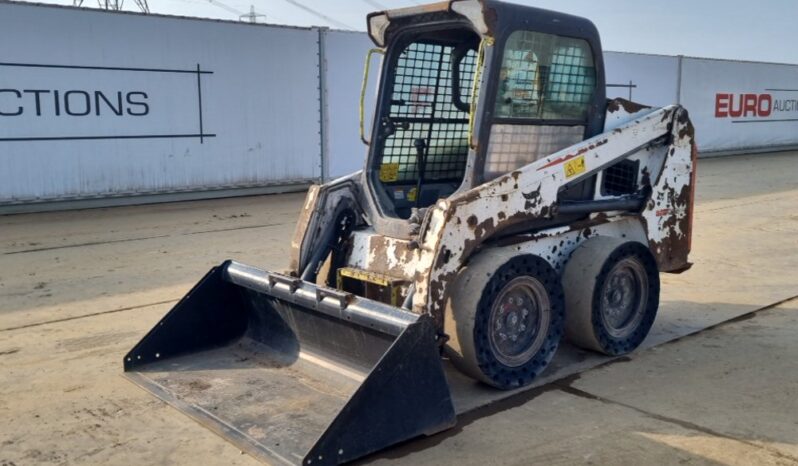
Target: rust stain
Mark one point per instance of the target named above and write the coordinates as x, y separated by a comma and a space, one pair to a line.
630, 107
672, 250
687, 131
491, 18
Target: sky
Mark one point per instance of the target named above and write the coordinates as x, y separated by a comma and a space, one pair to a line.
733, 29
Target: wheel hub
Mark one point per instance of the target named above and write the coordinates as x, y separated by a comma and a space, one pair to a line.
518, 320
624, 297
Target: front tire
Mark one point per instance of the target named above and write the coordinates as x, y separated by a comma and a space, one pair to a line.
611, 295
506, 319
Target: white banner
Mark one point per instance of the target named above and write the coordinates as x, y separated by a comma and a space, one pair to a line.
41, 102
96, 104
739, 105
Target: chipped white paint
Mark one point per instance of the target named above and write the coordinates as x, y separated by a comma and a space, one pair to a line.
548, 245
454, 228
382, 254
666, 215
471, 10
463, 221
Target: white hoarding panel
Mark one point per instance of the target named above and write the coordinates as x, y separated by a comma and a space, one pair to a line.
97, 104
345, 54
739, 105
646, 79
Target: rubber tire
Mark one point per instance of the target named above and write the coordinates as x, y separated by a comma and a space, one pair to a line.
583, 279
469, 309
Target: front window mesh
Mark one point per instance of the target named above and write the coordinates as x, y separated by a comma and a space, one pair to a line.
544, 76
421, 107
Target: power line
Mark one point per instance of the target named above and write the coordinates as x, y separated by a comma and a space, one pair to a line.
228, 8
375, 4
251, 17
319, 15
115, 5
142, 4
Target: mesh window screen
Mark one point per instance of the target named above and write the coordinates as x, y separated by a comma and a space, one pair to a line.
422, 107
621, 178
544, 76
513, 146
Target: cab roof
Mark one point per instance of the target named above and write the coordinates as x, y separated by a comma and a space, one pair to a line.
486, 17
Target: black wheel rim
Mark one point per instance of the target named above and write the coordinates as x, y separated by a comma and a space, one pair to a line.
519, 319
624, 297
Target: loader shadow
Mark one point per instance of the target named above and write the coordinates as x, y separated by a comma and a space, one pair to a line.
475, 401
501, 404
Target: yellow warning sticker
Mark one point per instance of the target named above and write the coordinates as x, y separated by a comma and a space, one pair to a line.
411, 195
575, 166
389, 172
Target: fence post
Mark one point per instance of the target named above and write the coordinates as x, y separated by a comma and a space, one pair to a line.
323, 116
680, 58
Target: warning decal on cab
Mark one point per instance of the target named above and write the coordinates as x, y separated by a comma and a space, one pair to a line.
389, 172
574, 167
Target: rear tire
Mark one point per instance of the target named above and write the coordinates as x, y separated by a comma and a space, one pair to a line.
505, 319
611, 295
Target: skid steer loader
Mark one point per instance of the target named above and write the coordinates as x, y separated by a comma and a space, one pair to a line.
505, 204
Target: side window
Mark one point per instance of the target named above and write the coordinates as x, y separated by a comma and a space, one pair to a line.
544, 76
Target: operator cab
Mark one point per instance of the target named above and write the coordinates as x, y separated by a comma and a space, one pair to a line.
539, 88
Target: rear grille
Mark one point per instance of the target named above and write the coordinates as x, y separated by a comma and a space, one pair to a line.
620, 178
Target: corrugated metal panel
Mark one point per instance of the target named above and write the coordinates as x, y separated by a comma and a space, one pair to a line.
255, 87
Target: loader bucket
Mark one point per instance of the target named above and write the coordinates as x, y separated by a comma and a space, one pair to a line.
292, 372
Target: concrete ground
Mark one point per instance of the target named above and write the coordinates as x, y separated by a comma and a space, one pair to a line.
78, 289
